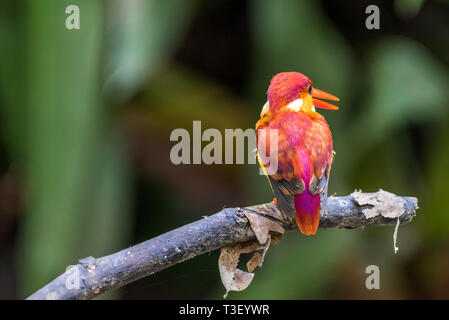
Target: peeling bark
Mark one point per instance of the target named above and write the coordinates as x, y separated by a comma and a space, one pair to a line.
225, 228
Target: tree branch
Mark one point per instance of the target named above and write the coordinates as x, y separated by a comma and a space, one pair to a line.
227, 227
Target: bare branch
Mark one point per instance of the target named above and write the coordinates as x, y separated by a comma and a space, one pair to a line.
227, 227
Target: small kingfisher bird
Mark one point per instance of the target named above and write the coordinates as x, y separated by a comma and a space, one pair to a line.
304, 148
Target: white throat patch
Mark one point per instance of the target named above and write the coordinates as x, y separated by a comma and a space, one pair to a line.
295, 105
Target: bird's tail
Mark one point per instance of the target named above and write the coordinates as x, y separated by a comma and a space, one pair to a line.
307, 212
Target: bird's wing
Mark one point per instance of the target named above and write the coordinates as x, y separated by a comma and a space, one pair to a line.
285, 186
320, 146
285, 192
284, 183
319, 186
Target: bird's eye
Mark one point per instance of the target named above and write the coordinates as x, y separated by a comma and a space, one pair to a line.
310, 90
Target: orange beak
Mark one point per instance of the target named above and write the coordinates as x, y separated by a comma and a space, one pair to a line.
323, 95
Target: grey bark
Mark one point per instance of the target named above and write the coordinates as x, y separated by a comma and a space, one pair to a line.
227, 227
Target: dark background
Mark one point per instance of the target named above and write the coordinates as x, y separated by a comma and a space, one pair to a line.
86, 117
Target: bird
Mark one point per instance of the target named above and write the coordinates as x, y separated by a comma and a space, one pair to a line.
304, 148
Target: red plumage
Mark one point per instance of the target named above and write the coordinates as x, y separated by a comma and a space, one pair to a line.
304, 147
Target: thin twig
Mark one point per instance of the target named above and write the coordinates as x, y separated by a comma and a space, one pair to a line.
227, 227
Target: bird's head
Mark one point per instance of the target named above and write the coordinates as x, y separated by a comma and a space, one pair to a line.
293, 91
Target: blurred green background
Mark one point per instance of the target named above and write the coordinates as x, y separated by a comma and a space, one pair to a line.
86, 117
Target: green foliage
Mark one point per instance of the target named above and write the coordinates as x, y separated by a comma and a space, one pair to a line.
64, 117
408, 8
294, 35
408, 85
67, 98
131, 57
435, 205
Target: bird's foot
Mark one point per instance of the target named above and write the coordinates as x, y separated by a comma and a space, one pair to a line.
265, 216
